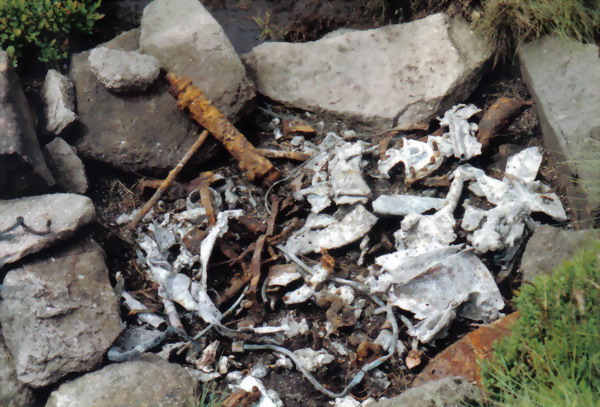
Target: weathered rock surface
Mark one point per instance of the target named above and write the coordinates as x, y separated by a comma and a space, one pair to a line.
188, 41
549, 246
58, 95
399, 75
59, 315
13, 393
66, 167
132, 132
66, 213
462, 357
123, 70
22, 167
147, 381
446, 392
564, 80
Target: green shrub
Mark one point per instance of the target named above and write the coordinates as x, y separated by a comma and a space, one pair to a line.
509, 22
552, 358
44, 24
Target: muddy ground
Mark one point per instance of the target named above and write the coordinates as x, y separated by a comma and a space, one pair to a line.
248, 23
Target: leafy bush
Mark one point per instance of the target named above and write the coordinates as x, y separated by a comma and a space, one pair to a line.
552, 357
45, 24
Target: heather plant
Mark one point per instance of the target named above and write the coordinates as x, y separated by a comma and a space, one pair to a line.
44, 25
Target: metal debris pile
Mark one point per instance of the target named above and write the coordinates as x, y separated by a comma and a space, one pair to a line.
409, 295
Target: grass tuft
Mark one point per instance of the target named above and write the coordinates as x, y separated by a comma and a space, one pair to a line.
510, 22
552, 358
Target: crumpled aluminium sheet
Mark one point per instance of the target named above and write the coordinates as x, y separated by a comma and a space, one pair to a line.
325, 232
516, 197
337, 176
436, 295
421, 158
174, 285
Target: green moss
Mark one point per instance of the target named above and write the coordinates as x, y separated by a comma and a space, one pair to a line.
45, 25
552, 357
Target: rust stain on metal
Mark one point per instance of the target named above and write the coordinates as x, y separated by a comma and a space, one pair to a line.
498, 117
250, 161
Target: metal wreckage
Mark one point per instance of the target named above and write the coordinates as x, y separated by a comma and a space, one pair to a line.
434, 272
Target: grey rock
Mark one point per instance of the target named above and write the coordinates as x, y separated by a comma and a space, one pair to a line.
399, 75
59, 315
549, 247
66, 212
123, 70
446, 392
22, 167
58, 95
188, 41
13, 393
66, 167
564, 80
132, 132
147, 381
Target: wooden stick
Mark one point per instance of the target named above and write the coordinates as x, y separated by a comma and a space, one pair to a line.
250, 161
168, 181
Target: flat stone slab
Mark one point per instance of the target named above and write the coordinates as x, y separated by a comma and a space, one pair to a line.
144, 382
399, 75
188, 41
132, 131
549, 247
13, 393
564, 80
59, 315
65, 212
66, 167
23, 170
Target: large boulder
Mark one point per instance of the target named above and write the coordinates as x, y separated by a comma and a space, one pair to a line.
13, 393
550, 246
564, 80
132, 131
23, 170
46, 218
59, 315
399, 75
147, 381
188, 41
446, 392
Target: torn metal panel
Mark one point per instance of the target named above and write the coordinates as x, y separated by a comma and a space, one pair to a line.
420, 159
461, 133
347, 184
141, 311
208, 243
401, 205
435, 295
268, 398
282, 275
207, 360
313, 359
524, 165
351, 228
404, 265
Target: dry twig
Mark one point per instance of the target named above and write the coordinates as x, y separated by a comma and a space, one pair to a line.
168, 181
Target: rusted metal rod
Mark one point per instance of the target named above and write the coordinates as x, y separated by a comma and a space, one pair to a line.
250, 161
